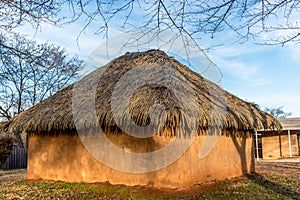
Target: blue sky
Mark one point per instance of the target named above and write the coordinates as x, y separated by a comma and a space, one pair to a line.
266, 75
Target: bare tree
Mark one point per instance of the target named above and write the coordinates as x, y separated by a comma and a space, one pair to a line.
14, 13
278, 112
31, 72
194, 18
248, 19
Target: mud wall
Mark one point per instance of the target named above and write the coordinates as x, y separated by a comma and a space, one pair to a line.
65, 158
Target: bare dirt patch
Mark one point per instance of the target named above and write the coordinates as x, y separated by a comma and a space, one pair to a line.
12, 175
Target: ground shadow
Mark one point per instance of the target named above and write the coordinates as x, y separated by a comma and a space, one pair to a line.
267, 184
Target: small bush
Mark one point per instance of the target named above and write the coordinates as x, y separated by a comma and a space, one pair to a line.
6, 146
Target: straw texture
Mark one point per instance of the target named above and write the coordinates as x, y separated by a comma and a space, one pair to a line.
142, 91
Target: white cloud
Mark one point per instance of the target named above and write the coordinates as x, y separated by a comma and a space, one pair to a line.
239, 69
293, 51
67, 37
230, 50
249, 74
228, 58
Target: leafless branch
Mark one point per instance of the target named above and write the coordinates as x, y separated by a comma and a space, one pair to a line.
25, 81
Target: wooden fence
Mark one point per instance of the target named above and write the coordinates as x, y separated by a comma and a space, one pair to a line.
17, 159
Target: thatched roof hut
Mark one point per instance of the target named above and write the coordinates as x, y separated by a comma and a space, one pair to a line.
55, 113
188, 103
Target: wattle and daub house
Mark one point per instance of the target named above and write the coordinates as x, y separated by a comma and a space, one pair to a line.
163, 124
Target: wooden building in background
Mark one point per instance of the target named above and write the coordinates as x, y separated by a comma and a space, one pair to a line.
279, 144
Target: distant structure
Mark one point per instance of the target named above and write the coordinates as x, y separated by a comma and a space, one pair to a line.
274, 144
58, 138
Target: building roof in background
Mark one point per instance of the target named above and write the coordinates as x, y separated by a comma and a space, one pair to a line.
290, 123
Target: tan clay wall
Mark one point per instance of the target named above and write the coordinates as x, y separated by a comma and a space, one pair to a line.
271, 146
64, 158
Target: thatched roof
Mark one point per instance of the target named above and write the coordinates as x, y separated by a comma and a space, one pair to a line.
208, 106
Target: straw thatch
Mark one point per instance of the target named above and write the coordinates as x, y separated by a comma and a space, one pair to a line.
208, 106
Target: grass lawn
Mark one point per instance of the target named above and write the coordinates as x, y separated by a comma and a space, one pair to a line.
272, 180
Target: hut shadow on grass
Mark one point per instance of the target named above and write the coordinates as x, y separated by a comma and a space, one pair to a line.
270, 185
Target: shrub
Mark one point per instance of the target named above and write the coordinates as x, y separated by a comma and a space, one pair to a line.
6, 146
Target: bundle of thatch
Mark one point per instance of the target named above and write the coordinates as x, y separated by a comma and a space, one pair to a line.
208, 106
